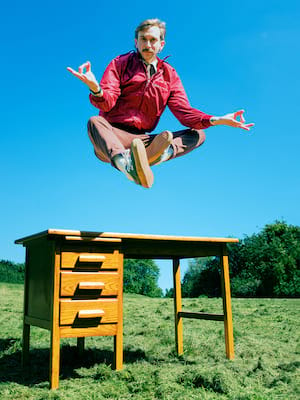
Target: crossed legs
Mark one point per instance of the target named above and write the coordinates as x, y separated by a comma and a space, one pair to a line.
118, 147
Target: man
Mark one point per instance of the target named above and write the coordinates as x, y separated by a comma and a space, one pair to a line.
132, 95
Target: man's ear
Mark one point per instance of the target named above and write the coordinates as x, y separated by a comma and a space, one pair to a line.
162, 45
135, 43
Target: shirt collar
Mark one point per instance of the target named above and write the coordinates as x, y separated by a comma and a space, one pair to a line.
154, 63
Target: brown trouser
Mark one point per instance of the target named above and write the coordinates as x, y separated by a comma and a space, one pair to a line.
111, 140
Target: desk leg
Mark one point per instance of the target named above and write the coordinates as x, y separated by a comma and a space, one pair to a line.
225, 282
118, 338
118, 351
80, 346
54, 359
177, 306
25, 344
26, 327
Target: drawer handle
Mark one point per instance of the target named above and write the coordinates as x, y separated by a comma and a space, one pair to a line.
90, 313
91, 285
91, 258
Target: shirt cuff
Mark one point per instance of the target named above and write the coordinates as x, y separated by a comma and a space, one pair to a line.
96, 99
97, 94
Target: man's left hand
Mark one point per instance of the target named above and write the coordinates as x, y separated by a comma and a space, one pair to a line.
235, 119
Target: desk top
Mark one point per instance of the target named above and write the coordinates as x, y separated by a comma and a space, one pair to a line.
134, 245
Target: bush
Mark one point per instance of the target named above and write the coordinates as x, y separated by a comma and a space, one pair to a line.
11, 272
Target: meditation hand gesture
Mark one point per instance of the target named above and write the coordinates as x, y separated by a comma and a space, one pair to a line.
86, 77
231, 119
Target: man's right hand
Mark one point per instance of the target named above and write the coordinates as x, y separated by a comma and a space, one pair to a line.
86, 77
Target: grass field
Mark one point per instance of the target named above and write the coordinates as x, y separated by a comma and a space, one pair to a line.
266, 365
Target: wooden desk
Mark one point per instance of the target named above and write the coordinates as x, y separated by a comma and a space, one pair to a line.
74, 285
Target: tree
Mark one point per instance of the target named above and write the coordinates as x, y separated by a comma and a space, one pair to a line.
265, 264
202, 277
141, 277
269, 262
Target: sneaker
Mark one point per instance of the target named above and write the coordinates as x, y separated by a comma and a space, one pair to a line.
166, 155
134, 164
140, 163
157, 147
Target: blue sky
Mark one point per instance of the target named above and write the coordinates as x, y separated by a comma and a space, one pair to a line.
230, 55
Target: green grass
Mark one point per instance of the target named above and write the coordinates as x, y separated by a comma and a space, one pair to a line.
266, 364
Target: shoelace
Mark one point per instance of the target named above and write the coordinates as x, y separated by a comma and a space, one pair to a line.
129, 167
128, 161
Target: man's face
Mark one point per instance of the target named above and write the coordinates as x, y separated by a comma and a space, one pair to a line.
149, 44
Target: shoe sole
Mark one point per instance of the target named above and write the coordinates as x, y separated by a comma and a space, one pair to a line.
158, 146
141, 162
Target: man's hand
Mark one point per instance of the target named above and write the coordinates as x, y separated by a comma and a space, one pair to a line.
232, 120
86, 77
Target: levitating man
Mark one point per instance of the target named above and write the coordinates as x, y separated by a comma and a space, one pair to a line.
132, 95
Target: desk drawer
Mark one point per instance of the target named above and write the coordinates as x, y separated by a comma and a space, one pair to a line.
99, 330
73, 312
80, 283
95, 261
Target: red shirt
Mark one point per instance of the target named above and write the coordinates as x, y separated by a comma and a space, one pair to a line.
132, 99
